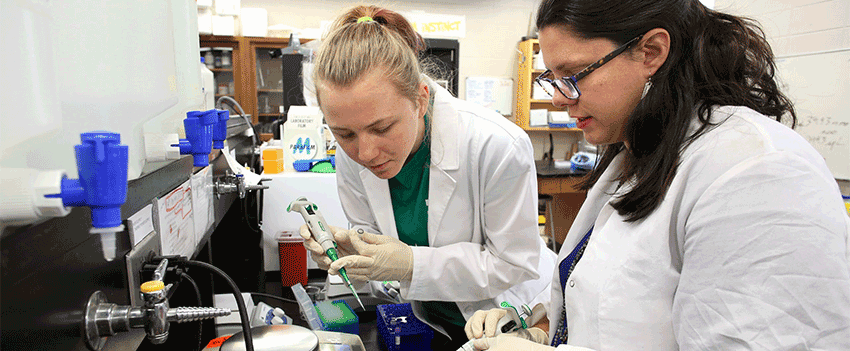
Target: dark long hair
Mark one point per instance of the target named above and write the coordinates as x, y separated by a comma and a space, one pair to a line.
715, 59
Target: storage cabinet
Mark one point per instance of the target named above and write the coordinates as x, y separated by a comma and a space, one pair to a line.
254, 77
266, 79
222, 55
525, 101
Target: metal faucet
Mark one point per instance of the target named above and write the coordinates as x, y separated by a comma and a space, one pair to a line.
104, 319
235, 183
155, 293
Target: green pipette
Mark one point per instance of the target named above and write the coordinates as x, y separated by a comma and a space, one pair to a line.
320, 232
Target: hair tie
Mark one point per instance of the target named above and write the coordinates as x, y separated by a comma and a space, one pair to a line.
365, 19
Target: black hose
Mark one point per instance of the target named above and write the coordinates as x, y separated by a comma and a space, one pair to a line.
273, 297
243, 313
248, 220
200, 303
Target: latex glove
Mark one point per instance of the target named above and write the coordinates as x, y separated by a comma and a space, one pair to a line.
319, 256
509, 342
483, 324
375, 257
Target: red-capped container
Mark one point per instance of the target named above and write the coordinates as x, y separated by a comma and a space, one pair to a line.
293, 259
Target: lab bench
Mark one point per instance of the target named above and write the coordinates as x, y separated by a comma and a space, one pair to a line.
368, 319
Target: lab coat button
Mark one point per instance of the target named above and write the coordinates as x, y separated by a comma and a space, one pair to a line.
572, 283
468, 310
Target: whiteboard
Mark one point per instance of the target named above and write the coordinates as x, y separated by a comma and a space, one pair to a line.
818, 86
495, 93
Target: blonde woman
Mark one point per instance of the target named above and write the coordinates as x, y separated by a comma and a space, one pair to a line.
442, 193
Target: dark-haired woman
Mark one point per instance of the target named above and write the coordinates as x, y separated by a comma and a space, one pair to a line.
708, 224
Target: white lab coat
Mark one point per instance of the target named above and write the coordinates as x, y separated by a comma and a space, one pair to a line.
484, 244
747, 251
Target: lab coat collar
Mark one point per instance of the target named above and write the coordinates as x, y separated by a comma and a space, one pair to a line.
378, 193
444, 129
445, 157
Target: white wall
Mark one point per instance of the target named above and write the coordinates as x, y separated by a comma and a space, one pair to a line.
493, 30
795, 27
494, 27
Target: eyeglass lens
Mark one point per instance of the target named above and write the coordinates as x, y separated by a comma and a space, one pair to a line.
546, 82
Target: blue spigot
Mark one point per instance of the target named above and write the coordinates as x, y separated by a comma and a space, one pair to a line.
220, 130
102, 184
199, 136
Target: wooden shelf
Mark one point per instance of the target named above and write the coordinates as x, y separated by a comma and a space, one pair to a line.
525, 85
244, 68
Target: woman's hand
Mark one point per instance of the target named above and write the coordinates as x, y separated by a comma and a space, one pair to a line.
374, 257
483, 323
317, 253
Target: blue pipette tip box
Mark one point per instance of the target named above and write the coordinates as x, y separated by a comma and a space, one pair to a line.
399, 329
338, 316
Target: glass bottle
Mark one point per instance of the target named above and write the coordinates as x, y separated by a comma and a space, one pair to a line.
225, 59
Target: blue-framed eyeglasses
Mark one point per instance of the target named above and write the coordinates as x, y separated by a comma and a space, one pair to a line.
568, 85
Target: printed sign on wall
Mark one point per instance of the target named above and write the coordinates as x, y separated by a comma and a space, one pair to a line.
433, 25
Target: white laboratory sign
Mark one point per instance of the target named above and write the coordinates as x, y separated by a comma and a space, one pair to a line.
175, 221
140, 224
495, 93
435, 25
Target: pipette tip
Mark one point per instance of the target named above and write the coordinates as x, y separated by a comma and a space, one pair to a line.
357, 297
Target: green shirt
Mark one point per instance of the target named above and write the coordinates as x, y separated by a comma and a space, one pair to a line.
409, 195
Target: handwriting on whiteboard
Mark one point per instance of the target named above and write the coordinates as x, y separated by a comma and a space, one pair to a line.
824, 132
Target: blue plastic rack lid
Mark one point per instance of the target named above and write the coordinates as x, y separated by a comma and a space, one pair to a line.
306, 165
399, 329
